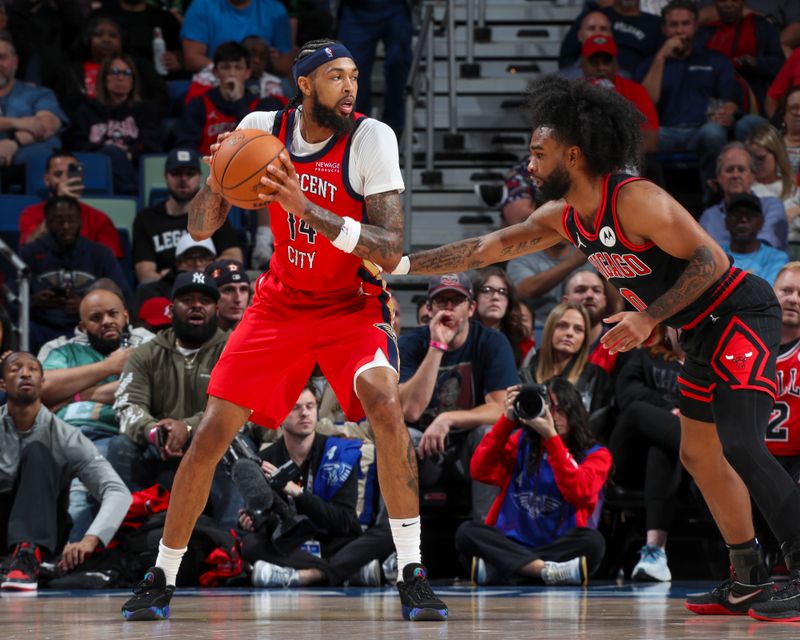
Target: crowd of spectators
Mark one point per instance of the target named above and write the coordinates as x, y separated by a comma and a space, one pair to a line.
103, 407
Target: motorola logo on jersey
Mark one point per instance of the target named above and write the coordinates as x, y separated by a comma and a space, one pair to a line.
618, 265
319, 187
607, 236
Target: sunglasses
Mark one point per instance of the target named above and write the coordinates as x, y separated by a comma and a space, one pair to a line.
120, 72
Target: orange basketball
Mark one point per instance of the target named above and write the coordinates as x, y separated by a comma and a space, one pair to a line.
240, 162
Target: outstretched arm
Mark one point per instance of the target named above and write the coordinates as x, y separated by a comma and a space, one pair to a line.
541, 230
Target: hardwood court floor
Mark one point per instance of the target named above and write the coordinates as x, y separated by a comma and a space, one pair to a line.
602, 612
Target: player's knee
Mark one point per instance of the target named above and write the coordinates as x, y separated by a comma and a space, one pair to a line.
698, 459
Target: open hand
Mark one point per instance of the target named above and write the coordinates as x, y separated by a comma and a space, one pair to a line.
633, 328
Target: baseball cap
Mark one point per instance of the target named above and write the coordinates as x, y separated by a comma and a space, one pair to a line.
599, 43
182, 158
155, 312
226, 271
744, 200
187, 281
186, 242
459, 282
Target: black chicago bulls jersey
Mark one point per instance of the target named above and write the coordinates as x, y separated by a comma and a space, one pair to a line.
642, 273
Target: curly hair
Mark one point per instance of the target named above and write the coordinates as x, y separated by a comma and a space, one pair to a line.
306, 50
601, 123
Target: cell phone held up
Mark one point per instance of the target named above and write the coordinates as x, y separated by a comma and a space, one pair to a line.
75, 170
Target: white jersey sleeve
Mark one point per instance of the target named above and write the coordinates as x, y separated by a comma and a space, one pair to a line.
263, 120
374, 159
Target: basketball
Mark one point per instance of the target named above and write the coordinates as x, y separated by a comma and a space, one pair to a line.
239, 164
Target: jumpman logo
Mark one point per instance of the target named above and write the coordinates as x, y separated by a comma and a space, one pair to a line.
580, 242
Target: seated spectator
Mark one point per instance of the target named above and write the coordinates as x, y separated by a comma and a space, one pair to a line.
63, 265
520, 198
74, 77
31, 116
157, 229
638, 34
162, 394
751, 42
82, 376
788, 77
209, 23
234, 291
539, 277
453, 376
599, 65
736, 175
645, 443
220, 109
41, 455
190, 255
543, 524
791, 126
63, 176
784, 14
564, 353
117, 123
498, 307
694, 90
591, 24
325, 493
141, 19
743, 220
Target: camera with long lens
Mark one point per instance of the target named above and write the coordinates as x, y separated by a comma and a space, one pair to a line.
531, 401
269, 510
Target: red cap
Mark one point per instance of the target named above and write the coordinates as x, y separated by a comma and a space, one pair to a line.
599, 43
155, 312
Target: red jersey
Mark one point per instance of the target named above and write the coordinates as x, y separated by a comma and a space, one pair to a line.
217, 122
783, 431
304, 259
635, 93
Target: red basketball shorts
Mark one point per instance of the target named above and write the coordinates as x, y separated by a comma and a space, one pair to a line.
284, 333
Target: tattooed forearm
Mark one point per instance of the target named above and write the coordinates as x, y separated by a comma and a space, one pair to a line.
207, 213
699, 274
472, 253
381, 240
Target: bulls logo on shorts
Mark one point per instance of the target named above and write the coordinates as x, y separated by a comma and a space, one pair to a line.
741, 357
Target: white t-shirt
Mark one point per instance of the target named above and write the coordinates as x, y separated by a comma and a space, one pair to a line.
374, 160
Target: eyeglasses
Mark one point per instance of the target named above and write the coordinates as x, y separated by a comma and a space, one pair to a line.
120, 72
445, 301
487, 290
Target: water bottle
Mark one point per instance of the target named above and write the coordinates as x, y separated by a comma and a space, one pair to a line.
159, 49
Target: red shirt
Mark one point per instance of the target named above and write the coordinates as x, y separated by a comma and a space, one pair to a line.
783, 430
637, 94
95, 225
787, 77
90, 71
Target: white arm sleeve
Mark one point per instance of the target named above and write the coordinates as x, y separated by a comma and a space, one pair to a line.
263, 120
375, 160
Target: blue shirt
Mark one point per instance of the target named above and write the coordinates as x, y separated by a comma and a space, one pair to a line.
484, 363
775, 230
687, 85
764, 263
25, 100
213, 22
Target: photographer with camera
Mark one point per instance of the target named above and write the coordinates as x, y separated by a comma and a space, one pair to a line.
63, 176
309, 496
551, 473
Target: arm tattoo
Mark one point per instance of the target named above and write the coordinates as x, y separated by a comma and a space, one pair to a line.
381, 240
466, 254
207, 213
699, 274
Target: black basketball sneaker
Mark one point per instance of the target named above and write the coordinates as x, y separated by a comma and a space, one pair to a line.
784, 606
731, 598
418, 600
151, 596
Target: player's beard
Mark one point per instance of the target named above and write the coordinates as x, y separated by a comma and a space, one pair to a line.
330, 119
556, 185
102, 345
194, 333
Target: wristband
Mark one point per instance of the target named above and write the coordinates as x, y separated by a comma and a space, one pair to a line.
348, 235
403, 267
441, 346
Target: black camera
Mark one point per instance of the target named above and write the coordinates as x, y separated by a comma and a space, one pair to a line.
531, 401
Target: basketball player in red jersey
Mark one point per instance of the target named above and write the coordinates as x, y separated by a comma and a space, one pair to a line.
670, 271
783, 431
337, 220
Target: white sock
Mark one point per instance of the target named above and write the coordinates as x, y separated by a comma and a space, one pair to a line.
406, 534
169, 560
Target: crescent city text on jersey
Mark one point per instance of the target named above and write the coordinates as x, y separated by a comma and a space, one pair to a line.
317, 186
618, 265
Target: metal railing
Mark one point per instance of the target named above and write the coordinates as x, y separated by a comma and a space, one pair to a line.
24, 279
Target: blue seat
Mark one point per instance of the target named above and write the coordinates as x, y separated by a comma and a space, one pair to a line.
96, 175
126, 261
11, 205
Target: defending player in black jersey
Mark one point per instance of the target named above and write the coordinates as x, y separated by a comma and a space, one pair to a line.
670, 271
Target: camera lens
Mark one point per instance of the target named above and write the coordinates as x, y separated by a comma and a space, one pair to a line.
530, 402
